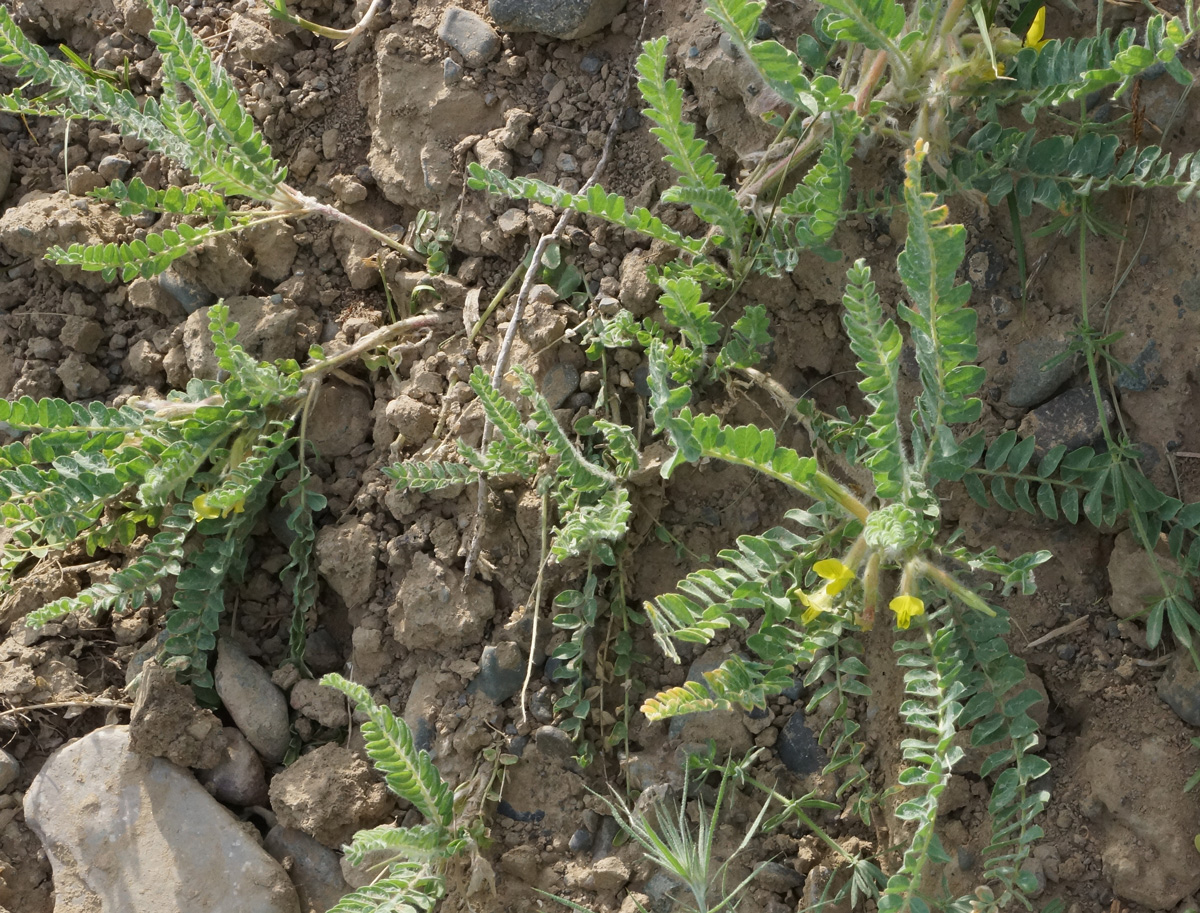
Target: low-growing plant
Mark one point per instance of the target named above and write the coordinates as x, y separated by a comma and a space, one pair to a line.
197, 121
198, 467
940, 81
937, 79
410, 864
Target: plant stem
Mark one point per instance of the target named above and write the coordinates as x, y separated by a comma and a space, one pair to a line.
373, 340
313, 205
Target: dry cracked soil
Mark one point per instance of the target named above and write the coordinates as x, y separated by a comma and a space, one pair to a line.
383, 128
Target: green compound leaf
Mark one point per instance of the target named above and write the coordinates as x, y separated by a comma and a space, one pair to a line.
596, 202
877, 343
409, 773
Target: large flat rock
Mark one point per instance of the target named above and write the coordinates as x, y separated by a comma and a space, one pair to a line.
130, 834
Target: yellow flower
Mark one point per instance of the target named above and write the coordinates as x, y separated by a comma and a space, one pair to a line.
818, 602
1033, 38
836, 573
203, 511
905, 608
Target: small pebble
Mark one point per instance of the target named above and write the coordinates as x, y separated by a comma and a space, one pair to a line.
581, 841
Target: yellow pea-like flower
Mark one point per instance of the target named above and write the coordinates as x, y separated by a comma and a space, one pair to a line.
838, 575
905, 608
1033, 38
203, 510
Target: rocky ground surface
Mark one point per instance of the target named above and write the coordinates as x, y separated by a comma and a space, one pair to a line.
382, 128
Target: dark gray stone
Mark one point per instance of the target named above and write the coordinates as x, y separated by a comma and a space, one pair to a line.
321, 653
556, 18
238, 778
1033, 383
778, 878
316, 870
501, 672
114, 168
554, 744
606, 833
560, 382
581, 841
664, 892
1180, 688
1141, 374
798, 748
192, 295
470, 35
1070, 419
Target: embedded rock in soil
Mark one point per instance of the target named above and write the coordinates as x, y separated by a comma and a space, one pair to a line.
167, 723
1180, 688
1143, 821
253, 38
1070, 419
1133, 577
346, 558
238, 777
256, 704
564, 19
432, 612
318, 702
415, 121
798, 748
41, 220
274, 248
340, 421
353, 248
411, 418
139, 835
329, 794
77, 23
81, 380
470, 35
1033, 383
501, 672
316, 870
638, 294
82, 334
424, 704
266, 330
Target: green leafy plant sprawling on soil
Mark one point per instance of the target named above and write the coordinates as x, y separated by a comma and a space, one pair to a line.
812, 597
809, 594
197, 121
203, 460
409, 865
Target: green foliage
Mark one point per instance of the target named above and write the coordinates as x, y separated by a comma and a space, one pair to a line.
666, 837
199, 122
700, 185
412, 860
595, 202
877, 343
201, 463
408, 772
